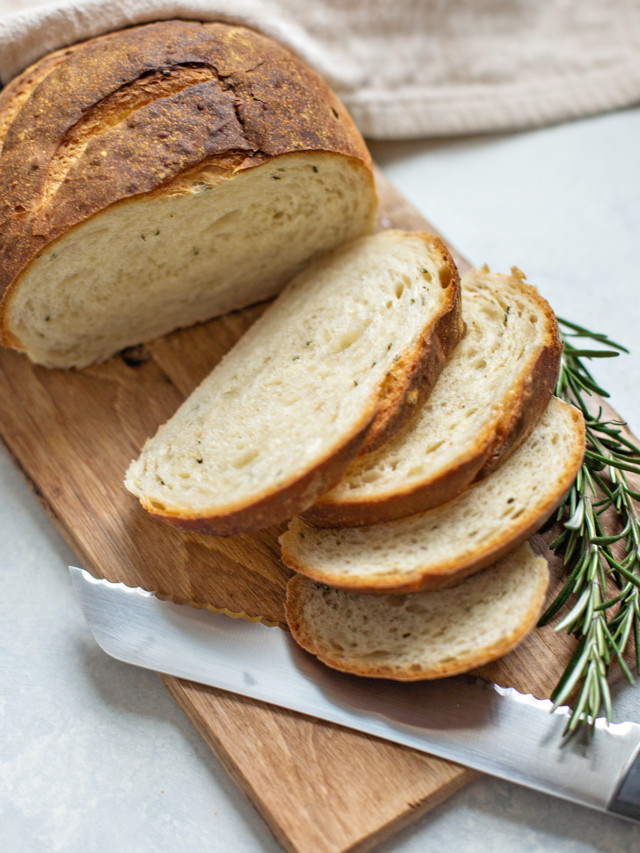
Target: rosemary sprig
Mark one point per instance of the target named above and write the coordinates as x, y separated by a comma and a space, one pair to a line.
602, 625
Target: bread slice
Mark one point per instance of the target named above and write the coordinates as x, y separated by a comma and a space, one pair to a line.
155, 177
421, 635
491, 393
348, 351
439, 547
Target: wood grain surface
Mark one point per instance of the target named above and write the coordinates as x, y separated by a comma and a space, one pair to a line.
321, 789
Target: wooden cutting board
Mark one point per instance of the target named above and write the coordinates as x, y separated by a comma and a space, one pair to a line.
321, 789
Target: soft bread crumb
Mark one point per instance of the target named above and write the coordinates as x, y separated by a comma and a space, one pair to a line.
493, 389
148, 265
432, 548
421, 635
301, 385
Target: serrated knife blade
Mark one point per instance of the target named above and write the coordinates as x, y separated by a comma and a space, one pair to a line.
495, 730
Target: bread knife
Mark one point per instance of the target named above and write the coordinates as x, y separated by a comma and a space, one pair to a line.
495, 730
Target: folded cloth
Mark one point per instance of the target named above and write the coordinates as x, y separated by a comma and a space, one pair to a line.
407, 68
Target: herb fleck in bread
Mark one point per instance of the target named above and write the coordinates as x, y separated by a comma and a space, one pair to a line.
491, 393
344, 355
161, 175
421, 635
439, 547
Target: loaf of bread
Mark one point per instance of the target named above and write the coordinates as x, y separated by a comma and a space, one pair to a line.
439, 547
343, 357
421, 635
491, 393
161, 175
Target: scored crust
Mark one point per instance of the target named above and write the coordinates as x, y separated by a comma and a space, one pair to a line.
135, 111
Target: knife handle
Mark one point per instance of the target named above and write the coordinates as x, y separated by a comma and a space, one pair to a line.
626, 800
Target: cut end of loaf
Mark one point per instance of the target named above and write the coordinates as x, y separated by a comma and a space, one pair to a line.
115, 160
422, 635
148, 265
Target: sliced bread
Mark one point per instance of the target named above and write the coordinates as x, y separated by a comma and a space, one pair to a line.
163, 174
489, 396
344, 356
439, 547
425, 634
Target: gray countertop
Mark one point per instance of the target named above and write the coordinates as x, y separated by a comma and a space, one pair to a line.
95, 756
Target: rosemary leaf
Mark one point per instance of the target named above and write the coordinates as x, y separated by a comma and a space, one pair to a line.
592, 353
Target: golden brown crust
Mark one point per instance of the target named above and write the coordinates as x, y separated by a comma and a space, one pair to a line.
413, 377
299, 586
361, 513
522, 410
130, 112
451, 573
532, 395
18, 90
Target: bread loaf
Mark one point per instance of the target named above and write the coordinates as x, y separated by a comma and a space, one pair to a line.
161, 175
439, 547
344, 356
490, 395
421, 635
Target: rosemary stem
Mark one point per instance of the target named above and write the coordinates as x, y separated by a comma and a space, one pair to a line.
604, 624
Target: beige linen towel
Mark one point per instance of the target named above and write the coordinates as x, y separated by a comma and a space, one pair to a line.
404, 68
